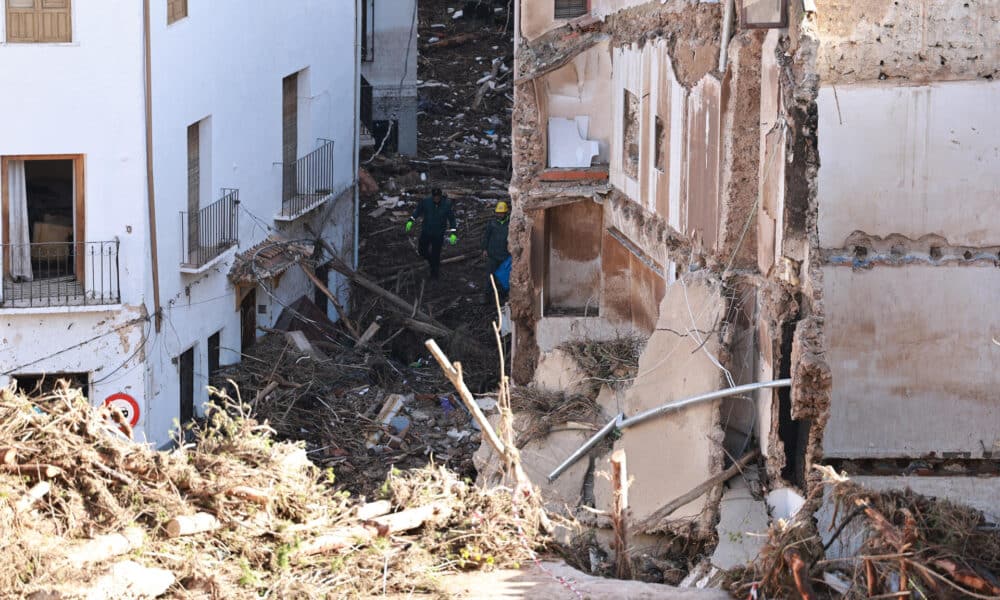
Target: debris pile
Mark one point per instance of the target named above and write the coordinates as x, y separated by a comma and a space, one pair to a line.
907, 545
359, 412
465, 68
88, 513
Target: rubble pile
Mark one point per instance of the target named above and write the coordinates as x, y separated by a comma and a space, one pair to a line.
465, 64
87, 513
903, 545
359, 412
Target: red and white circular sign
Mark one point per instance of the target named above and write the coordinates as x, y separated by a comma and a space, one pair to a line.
126, 404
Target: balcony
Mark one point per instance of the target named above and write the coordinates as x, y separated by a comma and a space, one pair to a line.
60, 274
306, 183
206, 234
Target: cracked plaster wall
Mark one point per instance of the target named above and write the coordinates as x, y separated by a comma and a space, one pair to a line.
907, 234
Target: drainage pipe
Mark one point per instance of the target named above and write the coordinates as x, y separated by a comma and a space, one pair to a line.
622, 423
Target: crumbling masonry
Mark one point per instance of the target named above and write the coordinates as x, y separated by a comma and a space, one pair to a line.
705, 223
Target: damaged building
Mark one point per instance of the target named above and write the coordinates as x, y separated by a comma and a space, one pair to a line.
144, 167
389, 74
765, 191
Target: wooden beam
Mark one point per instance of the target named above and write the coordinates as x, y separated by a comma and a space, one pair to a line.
355, 333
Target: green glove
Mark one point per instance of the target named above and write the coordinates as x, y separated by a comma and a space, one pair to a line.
409, 225
453, 239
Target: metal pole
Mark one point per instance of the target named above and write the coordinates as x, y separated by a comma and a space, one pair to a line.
597, 437
652, 413
673, 406
727, 27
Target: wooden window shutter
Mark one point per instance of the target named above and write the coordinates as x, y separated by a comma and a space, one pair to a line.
176, 10
39, 21
570, 9
194, 183
289, 132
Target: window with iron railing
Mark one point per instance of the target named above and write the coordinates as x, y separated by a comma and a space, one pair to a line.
209, 232
307, 181
60, 274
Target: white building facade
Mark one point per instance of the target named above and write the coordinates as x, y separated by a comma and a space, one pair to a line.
126, 198
389, 73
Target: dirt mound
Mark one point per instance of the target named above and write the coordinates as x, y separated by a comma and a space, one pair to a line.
89, 513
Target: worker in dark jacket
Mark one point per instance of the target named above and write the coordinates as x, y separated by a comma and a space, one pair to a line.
494, 246
439, 219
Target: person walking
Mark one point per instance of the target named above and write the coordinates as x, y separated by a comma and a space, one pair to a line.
439, 219
494, 247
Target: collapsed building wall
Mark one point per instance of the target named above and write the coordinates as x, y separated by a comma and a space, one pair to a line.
672, 194
906, 234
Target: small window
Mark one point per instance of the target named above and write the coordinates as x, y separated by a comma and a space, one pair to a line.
176, 10
39, 21
570, 9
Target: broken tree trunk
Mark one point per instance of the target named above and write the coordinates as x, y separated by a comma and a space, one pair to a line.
619, 517
248, 493
455, 40
800, 573
191, 524
369, 511
348, 537
454, 374
36, 493
656, 520
368, 334
103, 547
363, 282
355, 333
40, 472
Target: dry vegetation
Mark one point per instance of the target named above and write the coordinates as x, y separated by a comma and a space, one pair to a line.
613, 362
913, 546
82, 505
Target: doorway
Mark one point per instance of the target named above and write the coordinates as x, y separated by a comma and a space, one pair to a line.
248, 320
186, 365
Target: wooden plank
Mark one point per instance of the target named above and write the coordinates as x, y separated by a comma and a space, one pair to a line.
80, 219
5, 207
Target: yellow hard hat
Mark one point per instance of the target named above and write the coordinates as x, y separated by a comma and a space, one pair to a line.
502, 208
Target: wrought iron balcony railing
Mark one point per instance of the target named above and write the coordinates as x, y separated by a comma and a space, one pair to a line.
60, 274
308, 181
211, 231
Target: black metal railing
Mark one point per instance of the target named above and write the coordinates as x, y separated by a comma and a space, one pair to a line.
211, 231
60, 274
307, 181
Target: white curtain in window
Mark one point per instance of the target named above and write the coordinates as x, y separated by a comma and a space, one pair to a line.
20, 250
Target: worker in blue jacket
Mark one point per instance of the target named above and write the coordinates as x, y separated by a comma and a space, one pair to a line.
494, 247
439, 220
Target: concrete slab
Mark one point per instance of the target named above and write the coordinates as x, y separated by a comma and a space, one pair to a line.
669, 456
558, 581
742, 527
914, 364
539, 458
558, 371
